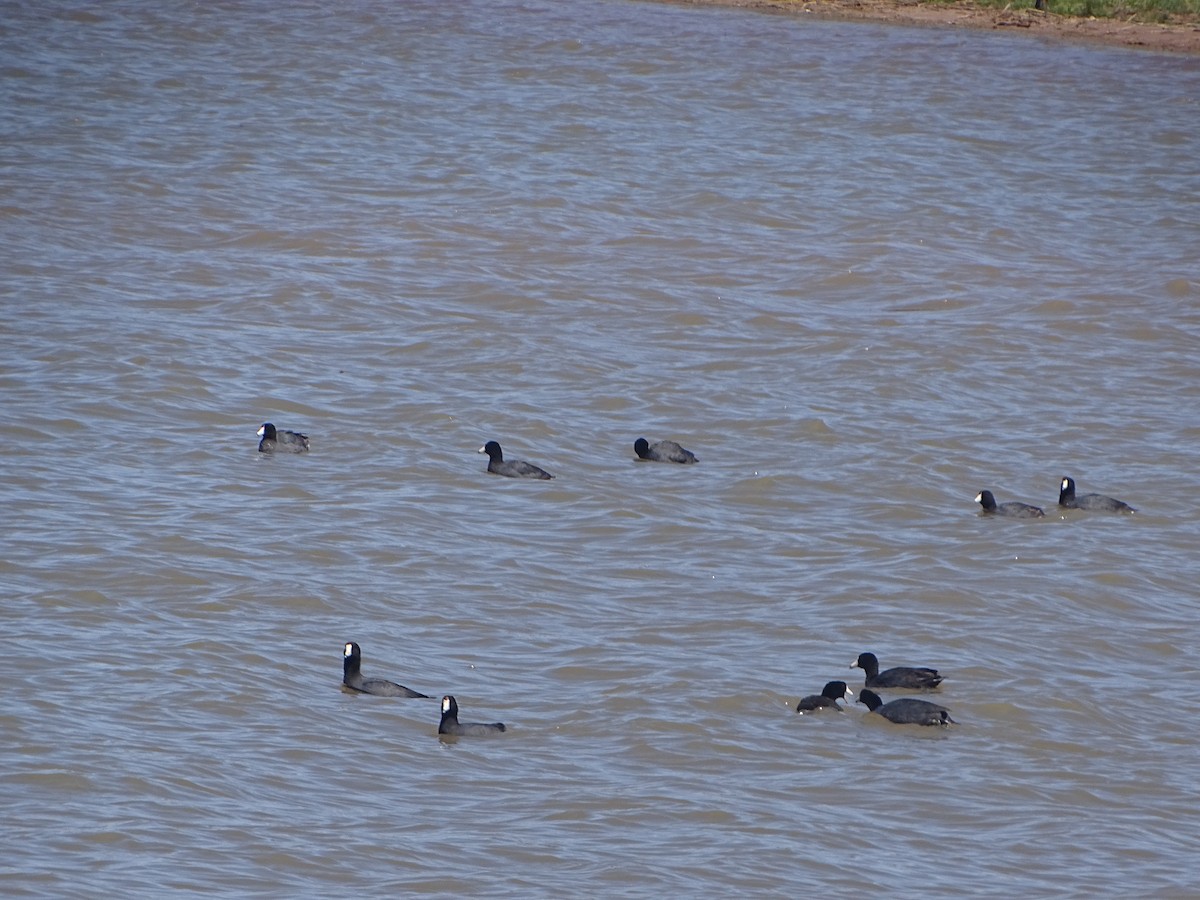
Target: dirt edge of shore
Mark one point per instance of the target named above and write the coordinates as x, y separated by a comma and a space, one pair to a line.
1174, 37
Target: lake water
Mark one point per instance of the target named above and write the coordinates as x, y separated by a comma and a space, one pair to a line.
863, 272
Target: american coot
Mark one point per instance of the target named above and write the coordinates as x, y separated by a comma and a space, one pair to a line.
352, 677
1012, 508
451, 725
827, 699
284, 441
906, 710
899, 677
663, 451
514, 468
1068, 500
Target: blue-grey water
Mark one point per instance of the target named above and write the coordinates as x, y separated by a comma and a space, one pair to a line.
863, 272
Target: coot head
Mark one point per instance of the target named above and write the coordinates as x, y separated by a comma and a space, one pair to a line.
987, 500
868, 663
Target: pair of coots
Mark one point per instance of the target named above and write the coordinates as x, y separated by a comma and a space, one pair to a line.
283, 441
906, 710
1067, 499
353, 679
659, 451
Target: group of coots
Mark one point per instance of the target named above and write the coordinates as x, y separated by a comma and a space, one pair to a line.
1067, 499
905, 711
380, 687
274, 440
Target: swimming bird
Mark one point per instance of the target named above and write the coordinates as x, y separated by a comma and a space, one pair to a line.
899, 677
286, 441
352, 677
663, 451
515, 468
906, 710
1012, 509
1068, 500
451, 725
827, 699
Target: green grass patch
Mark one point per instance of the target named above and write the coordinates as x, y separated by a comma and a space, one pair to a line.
1126, 10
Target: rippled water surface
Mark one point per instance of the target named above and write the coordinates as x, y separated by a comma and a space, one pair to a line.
862, 272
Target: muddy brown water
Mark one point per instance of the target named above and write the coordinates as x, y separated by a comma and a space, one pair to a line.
862, 272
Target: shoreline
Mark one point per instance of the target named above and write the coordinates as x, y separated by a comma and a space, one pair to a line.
1170, 38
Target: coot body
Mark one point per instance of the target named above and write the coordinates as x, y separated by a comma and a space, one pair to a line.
906, 710
283, 441
920, 679
352, 677
451, 725
1068, 499
1012, 509
512, 468
827, 699
663, 451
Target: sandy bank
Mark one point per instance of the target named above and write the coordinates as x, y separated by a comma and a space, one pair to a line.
1176, 37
